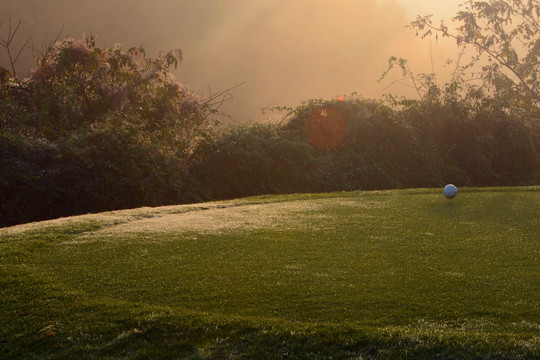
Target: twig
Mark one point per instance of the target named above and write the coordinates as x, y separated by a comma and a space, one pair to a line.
211, 97
48, 48
6, 43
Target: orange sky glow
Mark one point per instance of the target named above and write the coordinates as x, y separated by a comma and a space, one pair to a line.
285, 51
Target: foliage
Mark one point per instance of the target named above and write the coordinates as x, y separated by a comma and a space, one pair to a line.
255, 159
76, 84
505, 34
26, 177
480, 148
411, 143
111, 168
107, 169
481, 125
95, 129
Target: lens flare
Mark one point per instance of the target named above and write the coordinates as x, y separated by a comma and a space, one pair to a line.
325, 127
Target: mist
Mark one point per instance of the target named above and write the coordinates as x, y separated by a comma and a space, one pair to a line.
283, 51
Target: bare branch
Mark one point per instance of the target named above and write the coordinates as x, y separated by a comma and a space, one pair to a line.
21, 49
6, 43
211, 97
482, 48
47, 47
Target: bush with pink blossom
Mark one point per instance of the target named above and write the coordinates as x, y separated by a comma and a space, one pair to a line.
94, 129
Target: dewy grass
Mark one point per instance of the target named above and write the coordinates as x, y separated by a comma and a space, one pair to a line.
374, 275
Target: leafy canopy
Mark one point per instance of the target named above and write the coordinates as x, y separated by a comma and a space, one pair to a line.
505, 68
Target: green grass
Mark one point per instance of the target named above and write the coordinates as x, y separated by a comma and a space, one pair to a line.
363, 275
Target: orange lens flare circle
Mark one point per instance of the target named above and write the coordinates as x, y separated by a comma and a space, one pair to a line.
325, 127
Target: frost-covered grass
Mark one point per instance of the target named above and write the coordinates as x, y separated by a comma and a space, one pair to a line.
362, 275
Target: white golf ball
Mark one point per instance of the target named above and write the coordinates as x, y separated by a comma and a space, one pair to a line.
450, 191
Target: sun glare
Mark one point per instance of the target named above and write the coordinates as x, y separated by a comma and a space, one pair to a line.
325, 127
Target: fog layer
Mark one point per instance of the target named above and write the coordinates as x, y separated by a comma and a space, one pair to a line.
285, 51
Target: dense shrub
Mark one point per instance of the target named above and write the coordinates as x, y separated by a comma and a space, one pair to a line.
111, 168
76, 85
95, 129
410, 144
476, 146
108, 169
256, 159
27, 173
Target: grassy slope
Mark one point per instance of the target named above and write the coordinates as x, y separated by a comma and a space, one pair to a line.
404, 274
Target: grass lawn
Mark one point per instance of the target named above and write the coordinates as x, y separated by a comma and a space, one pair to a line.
362, 275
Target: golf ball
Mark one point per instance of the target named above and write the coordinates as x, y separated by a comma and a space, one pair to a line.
450, 191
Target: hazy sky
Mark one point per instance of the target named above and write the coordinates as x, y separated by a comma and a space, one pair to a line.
285, 50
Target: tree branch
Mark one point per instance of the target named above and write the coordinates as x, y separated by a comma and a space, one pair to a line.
6, 43
483, 48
